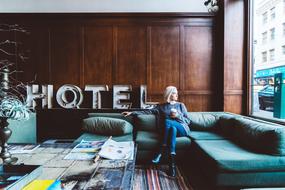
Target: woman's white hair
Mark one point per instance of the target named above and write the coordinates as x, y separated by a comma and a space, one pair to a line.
168, 91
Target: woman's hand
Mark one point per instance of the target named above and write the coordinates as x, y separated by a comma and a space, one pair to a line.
126, 113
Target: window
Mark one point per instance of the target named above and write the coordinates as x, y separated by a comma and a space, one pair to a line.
264, 18
264, 56
272, 13
272, 33
264, 37
272, 54
267, 59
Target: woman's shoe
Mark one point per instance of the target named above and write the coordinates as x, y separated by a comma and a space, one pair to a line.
156, 160
172, 166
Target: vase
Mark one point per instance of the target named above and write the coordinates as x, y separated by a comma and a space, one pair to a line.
5, 134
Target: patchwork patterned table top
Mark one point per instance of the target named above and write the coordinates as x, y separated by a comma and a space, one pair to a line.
79, 174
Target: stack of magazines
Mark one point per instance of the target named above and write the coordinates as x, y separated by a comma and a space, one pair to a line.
85, 150
109, 149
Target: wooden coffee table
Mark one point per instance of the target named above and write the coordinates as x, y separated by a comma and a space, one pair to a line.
104, 174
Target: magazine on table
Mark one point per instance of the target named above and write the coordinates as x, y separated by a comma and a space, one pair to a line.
117, 150
22, 148
85, 150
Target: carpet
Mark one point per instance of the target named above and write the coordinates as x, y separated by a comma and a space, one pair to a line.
151, 177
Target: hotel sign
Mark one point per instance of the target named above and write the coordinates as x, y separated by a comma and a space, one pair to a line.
71, 96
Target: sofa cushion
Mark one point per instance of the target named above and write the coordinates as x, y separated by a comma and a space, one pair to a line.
202, 121
146, 122
225, 125
205, 135
147, 140
260, 137
113, 115
223, 155
107, 126
151, 141
96, 137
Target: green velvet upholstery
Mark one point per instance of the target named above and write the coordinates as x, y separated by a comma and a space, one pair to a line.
146, 122
147, 140
256, 136
150, 141
113, 115
203, 121
205, 135
227, 156
107, 126
251, 179
95, 137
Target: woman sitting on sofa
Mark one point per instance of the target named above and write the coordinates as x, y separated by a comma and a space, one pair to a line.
174, 115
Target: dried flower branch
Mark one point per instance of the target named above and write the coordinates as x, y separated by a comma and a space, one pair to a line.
12, 91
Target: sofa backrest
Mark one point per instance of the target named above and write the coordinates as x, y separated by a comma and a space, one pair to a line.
256, 135
141, 122
261, 137
146, 122
205, 121
113, 115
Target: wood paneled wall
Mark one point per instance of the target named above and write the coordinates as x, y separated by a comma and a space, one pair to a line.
232, 19
202, 54
153, 49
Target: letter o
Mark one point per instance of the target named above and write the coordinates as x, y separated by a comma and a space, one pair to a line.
62, 99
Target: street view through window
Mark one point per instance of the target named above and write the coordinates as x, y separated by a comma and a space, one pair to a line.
268, 61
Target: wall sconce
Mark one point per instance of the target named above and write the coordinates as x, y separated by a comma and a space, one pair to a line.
212, 5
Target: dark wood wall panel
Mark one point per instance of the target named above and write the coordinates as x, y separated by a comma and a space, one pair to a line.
199, 70
40, 55
154, 49
231, 101
97, 55
198, 102
131, 55
164, 58
234, 64
65, 54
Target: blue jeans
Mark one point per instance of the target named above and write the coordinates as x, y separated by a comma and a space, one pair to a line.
173, 129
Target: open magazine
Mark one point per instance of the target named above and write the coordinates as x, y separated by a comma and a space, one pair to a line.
117, 150
85, 150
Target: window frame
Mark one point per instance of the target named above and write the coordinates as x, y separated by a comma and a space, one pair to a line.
249, 59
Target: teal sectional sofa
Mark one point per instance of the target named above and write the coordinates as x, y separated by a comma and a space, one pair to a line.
228, 150
236, 151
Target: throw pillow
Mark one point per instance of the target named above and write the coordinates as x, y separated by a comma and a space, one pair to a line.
107, 126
